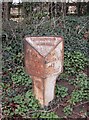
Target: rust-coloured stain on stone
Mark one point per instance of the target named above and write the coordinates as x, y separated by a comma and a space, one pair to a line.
43, 62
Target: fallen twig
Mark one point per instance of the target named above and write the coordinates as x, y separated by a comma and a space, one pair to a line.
83, 27
82, 103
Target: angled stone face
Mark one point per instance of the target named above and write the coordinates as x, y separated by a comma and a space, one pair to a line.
43, 62
34, 62
54, 60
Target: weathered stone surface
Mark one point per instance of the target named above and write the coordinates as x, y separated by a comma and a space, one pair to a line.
38, 88
34, 62
44, 62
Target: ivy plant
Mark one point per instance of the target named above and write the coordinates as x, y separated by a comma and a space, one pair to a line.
68, 110
61, 91
21, 78
74, 62
45, 115
78, 96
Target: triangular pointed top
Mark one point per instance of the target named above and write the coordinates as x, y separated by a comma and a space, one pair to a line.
43, 44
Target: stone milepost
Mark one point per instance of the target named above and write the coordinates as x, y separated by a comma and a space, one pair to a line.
44, 63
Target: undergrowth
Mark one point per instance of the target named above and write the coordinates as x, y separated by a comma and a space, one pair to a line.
18, 98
